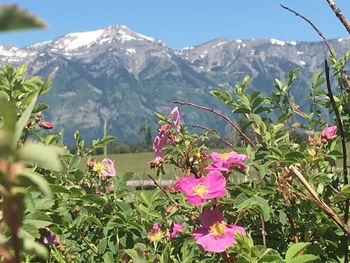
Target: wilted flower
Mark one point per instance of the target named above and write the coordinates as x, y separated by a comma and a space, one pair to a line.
177, 228
45, 125
155, 234
225, 161
160, 141
216, 235
201, 189
105, 168
329, 132
175, 118
50, 239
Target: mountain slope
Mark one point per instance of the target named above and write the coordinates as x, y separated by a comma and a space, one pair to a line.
124, 77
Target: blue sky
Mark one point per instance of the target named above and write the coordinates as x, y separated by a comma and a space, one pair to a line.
181, 23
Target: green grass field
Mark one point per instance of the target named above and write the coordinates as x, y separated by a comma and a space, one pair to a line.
138, 163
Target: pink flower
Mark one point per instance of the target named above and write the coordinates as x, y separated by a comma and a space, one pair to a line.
46, 125
225, 161
155, 234
177, 228
108, 170
175, 118
216, 235
160, 141
50, 239
329, 132
199, 190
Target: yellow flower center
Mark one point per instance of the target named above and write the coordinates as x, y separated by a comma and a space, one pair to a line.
99, 167
155, 237
218, 228
200, 189
225, 156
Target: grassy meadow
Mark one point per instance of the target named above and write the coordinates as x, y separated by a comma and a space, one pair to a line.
138, 163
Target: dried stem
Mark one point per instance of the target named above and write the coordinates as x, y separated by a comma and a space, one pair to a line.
246, 138
313, 26
161, 188
345, 157
219, 137
339, 14
263, 230
328, 210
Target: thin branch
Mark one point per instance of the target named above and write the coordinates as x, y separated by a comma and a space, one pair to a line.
165, 192
345, 156
219, 137
328, 210
246, 138
313, 26
339, 14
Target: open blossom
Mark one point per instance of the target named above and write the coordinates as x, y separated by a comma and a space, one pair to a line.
216, 235
201, 189
105, 168
155, 234
329, 132
225, 161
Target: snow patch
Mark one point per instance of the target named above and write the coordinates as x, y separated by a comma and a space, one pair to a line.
130, 50
146, 37
188, 48
303, 63
293, 43
81, 39
219, 44
277, 42
342, 39
239, 40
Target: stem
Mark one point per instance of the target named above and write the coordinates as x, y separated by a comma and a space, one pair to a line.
165, 192
219, 137
313, 26
339, 14
246, 138
263, 231
345, 157
315, 197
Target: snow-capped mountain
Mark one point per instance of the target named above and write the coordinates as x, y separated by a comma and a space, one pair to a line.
123, 76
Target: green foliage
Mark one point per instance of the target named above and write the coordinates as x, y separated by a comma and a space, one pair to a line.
14, 18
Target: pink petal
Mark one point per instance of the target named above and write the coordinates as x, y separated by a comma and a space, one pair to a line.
216, 185
177, 228
109, 170
209, 217
186, 184
214, 244
195, 199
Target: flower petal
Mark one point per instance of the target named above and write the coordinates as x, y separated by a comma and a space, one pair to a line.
209, 217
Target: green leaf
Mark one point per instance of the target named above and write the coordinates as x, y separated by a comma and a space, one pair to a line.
45, 156
36, 247
14, 18
8, 113
295, 249
108, 257
38, 180
304, 258
93, 199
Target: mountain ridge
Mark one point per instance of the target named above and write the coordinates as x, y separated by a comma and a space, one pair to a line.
124, 76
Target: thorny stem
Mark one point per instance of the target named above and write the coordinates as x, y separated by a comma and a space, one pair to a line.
345, 157
339, 14
246, 138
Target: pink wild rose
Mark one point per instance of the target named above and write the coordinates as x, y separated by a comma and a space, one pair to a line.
177, 228
105, 168
201, 189
216, 235
329, 132
225, 161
